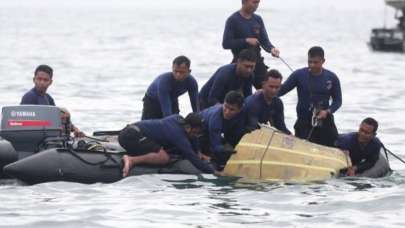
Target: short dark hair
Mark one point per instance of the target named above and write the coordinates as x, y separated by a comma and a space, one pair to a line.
182, 60
194, 120
248, 55
44, 68
234, 98
273, 73
316, 51
372, 122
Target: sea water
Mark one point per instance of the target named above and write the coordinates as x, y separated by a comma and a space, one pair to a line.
105, 53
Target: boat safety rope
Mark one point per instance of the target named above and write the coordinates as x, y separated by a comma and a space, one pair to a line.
265, 151
102, 162
282, 60
289, 67
96, 139
394, 155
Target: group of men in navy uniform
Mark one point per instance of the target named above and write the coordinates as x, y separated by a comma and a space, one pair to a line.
226, 108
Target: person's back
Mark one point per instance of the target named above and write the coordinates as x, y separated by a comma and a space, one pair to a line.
169, 132
223, 81
231, 77
38, 95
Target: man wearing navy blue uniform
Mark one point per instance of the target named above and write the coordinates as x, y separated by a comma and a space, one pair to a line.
161, 98
316, 86
38, 95
148, 141
264, 106
245, 29
231, 77
226, 120
363, 147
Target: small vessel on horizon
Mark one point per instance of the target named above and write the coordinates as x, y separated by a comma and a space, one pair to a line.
391, 39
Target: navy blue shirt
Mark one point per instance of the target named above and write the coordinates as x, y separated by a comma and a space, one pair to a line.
215, 125
238, 28
364, 157
224, 80
33, 97
314, 91
259, 111
166, 90
169, 132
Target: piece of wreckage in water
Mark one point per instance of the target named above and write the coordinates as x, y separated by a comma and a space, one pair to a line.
268, 154
390, 39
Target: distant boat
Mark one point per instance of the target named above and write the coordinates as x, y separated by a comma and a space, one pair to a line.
397, 4
391, 39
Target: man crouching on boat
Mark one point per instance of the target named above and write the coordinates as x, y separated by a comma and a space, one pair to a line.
224, 126
146, 140
363, 146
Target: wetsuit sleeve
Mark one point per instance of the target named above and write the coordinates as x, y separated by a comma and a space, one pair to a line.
217, 89
193, 94
336, 96
164, 96
28, 99
289, 84
279, 122
229, 41
343, 142
264, 38
188, 153
370, 160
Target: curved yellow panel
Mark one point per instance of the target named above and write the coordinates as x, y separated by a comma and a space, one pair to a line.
268, 154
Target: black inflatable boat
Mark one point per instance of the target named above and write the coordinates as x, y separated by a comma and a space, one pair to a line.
34, 150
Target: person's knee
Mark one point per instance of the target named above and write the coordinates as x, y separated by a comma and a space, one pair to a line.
124, 136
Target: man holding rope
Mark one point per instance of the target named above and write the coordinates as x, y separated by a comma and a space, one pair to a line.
245, 29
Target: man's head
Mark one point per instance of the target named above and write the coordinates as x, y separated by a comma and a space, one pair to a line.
181, 68
367, 130
250, 6
42, 78
271, 84
232, 106
193, 123
316, 58
246, 63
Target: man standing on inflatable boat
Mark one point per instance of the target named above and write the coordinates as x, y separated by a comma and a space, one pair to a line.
149, 141
316, 86
245, 29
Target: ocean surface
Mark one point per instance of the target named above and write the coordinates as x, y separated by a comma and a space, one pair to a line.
105, 53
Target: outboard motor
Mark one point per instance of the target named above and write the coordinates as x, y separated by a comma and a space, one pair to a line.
28, 127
